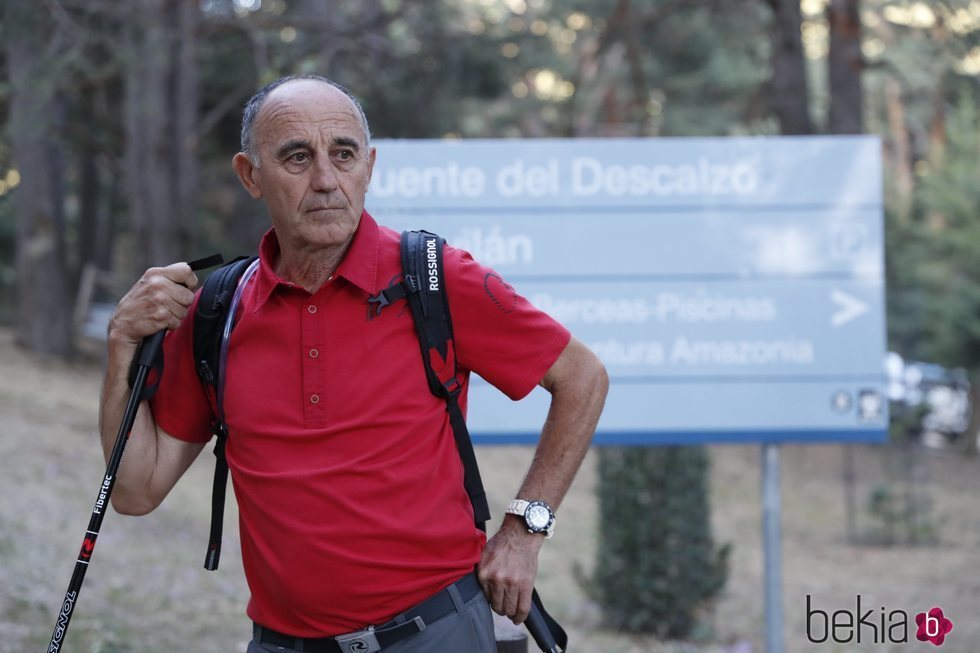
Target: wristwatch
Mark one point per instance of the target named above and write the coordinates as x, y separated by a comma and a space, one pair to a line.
538, 516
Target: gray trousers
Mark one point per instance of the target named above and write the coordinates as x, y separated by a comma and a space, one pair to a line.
467, 630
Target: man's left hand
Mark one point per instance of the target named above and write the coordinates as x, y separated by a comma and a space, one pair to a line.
508, 568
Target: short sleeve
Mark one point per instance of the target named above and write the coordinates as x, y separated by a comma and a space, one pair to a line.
180, 406
498, 333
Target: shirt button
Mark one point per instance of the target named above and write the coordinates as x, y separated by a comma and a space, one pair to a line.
315, 399
311, 309
314, 353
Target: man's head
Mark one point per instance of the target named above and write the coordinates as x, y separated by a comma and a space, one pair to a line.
251, 110
306, 152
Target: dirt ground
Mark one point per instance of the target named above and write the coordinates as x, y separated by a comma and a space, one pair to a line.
146, 590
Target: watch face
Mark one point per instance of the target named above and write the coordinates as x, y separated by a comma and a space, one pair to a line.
538, 516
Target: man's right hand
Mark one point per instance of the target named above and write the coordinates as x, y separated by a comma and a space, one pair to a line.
158, 301
154, 460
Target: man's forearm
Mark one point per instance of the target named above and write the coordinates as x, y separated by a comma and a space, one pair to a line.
578, 385
577, 398
131, 488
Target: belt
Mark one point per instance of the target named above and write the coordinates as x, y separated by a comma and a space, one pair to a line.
372, 639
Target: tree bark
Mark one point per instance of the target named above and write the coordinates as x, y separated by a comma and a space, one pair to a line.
325, 38
43, 309
89, 187
901, 149
788, 92
186, 108
149, 157
845, 65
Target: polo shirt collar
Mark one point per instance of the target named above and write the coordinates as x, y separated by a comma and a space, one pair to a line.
359, 265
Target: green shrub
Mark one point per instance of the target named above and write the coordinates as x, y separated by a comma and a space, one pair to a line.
657, 567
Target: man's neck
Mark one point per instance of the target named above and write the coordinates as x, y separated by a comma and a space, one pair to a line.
310, 269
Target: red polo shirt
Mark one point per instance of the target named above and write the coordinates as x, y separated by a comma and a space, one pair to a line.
349, 484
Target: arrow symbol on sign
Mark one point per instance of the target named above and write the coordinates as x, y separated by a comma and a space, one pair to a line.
850, 308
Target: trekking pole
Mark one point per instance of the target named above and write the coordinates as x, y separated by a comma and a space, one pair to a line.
145, 357
542, 635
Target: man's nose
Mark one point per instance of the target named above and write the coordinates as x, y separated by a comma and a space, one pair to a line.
324, 175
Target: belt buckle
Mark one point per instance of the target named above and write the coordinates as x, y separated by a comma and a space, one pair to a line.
362, 641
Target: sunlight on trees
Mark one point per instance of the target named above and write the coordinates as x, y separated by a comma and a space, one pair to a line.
10, 181
970, 64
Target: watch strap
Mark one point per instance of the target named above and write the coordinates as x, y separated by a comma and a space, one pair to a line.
519, 507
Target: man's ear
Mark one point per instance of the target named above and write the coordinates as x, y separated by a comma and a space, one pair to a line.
247, 174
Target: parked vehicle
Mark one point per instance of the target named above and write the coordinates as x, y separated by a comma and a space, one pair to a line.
938, 396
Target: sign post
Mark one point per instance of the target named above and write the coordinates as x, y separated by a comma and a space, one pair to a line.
771, 517
733, 287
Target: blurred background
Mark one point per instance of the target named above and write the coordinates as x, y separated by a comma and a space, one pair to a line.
121, 120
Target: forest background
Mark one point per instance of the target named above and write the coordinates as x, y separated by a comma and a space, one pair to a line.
122, 118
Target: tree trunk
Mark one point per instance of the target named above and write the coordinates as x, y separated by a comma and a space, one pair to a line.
901, 149
149, 152
43, 313
186, 106
937, 124
89, 188
325, 39
788, 92
845, 65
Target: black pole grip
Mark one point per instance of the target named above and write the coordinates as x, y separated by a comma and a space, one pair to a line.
538, 627
206, 262
149, 349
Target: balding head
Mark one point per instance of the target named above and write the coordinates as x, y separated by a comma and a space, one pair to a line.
254, 107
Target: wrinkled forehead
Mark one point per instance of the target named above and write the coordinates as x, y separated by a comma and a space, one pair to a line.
307, 107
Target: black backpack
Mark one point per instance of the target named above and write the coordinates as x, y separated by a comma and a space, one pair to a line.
423, 286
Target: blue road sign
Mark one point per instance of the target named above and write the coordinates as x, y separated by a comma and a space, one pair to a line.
733, 287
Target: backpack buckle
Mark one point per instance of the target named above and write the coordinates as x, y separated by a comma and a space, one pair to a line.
453, 386
381, 300
219, 429
413, 283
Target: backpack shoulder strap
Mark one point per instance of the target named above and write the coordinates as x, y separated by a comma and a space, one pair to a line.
213, 321
422, 267
424, 286
209, 318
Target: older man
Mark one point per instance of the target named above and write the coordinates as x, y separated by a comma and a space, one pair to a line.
352, 509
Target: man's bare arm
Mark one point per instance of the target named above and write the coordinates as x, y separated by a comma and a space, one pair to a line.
153, 460
578, 384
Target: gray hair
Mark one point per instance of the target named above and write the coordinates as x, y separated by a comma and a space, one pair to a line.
254, 105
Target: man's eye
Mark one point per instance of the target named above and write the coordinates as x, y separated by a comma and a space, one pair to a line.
299, 157
345, 155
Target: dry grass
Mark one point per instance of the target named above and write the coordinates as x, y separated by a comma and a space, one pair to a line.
147, 591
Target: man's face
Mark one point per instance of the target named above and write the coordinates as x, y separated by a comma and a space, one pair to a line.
314, 165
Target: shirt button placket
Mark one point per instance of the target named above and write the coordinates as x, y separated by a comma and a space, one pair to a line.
313, 372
